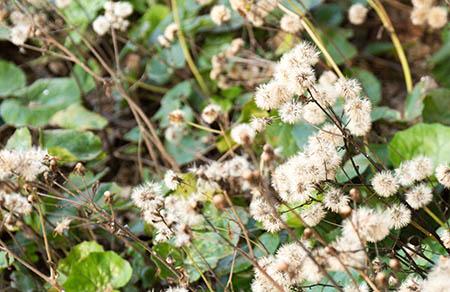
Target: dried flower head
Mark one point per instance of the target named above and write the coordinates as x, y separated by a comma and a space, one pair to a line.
437, 17
419, 196
385, 184
357, 14
62, 225
399, 216
171, 179
210, 113
443, 175
220, 14
291, 23
291, 112
243, 134
335, 200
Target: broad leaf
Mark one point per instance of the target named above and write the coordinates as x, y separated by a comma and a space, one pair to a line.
437, 106
349, 170
20, 140
12, 78
371, 85
77, 254
422, 139
99, 271
71, 145
79, 118
37, 103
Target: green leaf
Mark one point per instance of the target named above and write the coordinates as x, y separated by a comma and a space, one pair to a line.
280, 135
270, 242
436, 106
5, 260
422, 139
349, 172
212, 248
371, 85
99, 271
20, 140
77, 254
82, 12
12, 78
78, 118
71, 145
85, 81
37, 103
385, 113
149, 21
158, 71
414, 102
188, 148
338, 46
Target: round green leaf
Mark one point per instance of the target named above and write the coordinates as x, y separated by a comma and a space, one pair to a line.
12, 78
20, 140
71, 145
77, 254
99, 271
436, 106
37, 103
79, 118
371, 85
422, 139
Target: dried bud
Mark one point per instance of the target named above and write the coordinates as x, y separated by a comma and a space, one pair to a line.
345, 211
355, 194
28, 188
57, 68
79, 168
393, 281
176, 117
219, 201
132, 62
31, 199
394, 264
307, 233
53, 164
381, 280
330, 250
108, 197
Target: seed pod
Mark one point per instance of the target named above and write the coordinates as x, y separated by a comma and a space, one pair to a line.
219, 201
307, 233
381, 280
345, 211
394, 264
355, 194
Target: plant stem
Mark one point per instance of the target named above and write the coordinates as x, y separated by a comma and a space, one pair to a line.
379, 9
185, 49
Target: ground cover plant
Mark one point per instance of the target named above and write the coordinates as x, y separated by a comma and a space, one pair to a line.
213, 145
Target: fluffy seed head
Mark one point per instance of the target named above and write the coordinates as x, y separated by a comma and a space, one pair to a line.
220, 14
291, 112
419, 196
357, 14
399, 216
291, 23
210, 113
443, 175
437, 17
243, 134
385, 184
335, 200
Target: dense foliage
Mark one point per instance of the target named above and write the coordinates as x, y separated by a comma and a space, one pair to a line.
201, 145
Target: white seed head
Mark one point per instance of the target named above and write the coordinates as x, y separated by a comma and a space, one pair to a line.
357, 14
